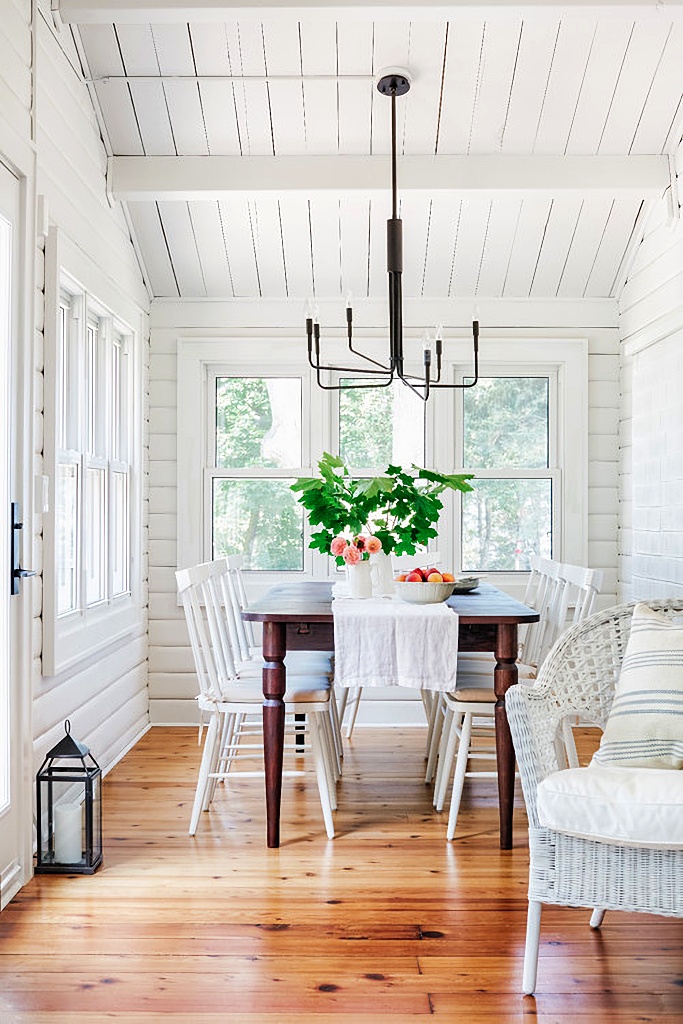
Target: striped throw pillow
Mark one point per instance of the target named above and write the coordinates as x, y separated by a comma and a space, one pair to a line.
645, 724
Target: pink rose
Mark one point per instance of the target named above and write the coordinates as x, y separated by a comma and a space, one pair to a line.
360, 542
374, 544
338, 545
351, 555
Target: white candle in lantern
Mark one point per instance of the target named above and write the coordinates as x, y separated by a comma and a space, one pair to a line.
68, 825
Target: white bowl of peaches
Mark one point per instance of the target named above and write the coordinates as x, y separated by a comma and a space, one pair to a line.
424, 586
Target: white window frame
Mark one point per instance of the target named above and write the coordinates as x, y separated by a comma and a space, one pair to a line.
199, 362
73, 636
565, 361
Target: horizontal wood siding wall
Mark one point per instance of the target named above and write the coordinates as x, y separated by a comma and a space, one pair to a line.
651, 429
172, 683
16, 70
105, 697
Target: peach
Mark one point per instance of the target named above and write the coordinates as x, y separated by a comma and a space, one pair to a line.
414, 577
448, 577
435, 577
401, 578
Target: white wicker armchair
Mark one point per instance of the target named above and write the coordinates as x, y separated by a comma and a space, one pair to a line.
578, 679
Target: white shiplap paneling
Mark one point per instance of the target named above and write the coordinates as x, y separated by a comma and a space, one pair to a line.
107, 698
172, 681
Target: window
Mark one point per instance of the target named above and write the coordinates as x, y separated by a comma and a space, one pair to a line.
92, 540
506, 441
93, 454
256, 445
255, 432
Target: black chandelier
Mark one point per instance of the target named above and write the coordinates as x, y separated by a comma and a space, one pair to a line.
393, 83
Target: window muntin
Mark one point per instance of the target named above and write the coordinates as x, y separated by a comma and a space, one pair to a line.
257, 453
380, 426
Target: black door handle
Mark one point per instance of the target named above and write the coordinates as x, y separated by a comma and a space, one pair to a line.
17, 572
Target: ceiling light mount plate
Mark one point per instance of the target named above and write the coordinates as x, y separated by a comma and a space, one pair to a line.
395, 80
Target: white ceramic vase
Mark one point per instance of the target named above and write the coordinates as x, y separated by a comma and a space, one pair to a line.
382, 574
360, 580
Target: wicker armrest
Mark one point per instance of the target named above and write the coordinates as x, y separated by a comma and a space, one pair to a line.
534, 719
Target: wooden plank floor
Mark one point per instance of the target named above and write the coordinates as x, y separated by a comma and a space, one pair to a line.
386, 923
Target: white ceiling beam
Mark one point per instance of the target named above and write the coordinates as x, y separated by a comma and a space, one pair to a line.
134, 178
158, 11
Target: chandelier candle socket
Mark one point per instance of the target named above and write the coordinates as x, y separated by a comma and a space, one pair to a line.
393, 82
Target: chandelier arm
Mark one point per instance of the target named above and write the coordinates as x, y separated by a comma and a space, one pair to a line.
473, 382
313, 337
347, 369
369, 359
414, 388
352, 387
357, 352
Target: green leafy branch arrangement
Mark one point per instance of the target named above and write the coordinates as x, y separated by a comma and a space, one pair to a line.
401, 507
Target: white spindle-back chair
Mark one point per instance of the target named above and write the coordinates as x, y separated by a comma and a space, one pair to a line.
567, 596
228, 696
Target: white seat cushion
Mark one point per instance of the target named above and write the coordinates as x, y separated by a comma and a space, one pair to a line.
621, 806
315, 689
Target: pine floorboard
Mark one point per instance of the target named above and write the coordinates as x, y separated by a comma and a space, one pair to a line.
386, 923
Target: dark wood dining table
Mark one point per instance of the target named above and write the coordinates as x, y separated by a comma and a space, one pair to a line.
298, 616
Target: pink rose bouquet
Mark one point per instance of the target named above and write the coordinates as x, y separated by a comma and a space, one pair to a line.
359, 549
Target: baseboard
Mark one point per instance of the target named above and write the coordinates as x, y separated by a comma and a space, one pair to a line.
126, 749
11, 881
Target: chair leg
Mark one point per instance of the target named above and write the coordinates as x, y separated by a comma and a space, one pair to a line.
218, 762
208, 756
322, 773
449, 740
597, 917
327, 742
355, 702
342, 702
430, 699
533, 935
435, 741
460, 771
336, 733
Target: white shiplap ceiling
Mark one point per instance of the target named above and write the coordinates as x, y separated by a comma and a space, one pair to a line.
505, 88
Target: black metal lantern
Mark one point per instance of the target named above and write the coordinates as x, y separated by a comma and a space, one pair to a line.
69, 809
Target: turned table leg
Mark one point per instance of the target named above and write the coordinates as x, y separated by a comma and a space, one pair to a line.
505, 676
274, 684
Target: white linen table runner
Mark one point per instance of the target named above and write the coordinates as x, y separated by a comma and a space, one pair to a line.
380, 642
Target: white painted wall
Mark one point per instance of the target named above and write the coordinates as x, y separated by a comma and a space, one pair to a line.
45, 109
651, 430
171, 676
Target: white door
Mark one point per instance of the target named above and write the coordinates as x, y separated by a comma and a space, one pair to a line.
15, 746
